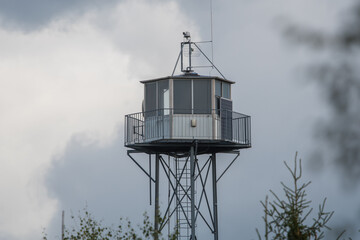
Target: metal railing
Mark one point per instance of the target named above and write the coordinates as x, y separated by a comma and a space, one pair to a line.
167, 124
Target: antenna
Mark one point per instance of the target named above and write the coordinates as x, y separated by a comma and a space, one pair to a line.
191, 47
211, 32
186, 42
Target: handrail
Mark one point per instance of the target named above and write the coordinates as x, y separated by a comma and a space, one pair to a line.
171, 110
165, 124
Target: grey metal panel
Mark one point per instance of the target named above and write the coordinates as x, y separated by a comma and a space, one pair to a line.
182, 128
157, 127
227, 127
217, 127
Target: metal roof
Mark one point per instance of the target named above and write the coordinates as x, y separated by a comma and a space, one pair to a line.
188, 76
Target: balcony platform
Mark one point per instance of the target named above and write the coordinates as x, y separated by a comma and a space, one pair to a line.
164, 131
182, 146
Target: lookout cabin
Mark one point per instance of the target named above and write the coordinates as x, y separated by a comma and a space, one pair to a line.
179, 110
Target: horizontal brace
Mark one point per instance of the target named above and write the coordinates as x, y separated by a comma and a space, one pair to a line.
203, 42
133, 151
231, 152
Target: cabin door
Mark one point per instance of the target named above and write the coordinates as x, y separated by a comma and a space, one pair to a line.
226, 119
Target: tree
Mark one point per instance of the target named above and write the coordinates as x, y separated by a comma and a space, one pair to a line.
288, 218
86, 227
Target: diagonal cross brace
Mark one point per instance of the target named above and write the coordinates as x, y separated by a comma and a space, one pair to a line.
147, 174
237, 155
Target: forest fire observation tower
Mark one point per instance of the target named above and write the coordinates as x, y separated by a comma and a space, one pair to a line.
186, 121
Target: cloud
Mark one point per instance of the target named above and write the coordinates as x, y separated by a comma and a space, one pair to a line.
56, 84
35, 14
101, 178
70, 77
151, 35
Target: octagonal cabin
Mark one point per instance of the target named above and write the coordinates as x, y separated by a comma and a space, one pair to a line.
179, 110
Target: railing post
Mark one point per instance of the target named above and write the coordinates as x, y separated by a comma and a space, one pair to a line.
163, 123
125, 131
249, 130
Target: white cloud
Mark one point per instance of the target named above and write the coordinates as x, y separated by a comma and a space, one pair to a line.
72, 77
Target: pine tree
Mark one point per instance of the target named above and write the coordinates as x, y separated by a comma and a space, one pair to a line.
289, 218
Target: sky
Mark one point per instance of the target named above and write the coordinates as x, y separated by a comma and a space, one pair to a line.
70, 71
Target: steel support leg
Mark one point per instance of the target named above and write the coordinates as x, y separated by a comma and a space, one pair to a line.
192, 182
157, 207
216, 231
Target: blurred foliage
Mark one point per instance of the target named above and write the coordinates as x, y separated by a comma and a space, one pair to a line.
288, 219
87, 227
338, 78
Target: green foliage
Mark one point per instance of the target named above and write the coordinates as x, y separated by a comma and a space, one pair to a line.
288, 218
86, 227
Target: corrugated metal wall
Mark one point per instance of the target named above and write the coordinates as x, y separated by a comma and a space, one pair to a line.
182, 128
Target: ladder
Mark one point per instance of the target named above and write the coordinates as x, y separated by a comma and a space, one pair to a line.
183, 202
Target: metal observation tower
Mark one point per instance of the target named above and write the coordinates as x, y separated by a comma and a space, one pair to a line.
187, 120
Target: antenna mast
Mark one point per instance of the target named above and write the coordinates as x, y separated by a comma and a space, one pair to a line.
190, 67
187, 41
211, 31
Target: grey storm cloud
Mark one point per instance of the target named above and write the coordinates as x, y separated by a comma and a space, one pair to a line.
101, 179
31, 15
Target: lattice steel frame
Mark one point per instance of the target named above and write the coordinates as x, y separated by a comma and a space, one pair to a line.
198, 173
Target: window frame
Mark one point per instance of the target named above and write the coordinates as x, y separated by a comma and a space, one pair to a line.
156, 110
222, 89
217, 97
192, 101
182, 110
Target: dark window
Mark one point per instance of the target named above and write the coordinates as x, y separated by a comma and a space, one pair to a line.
217, 104
182, 96
163, 97
222, 90
218, 88
226, 90
202, 96
150, 99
